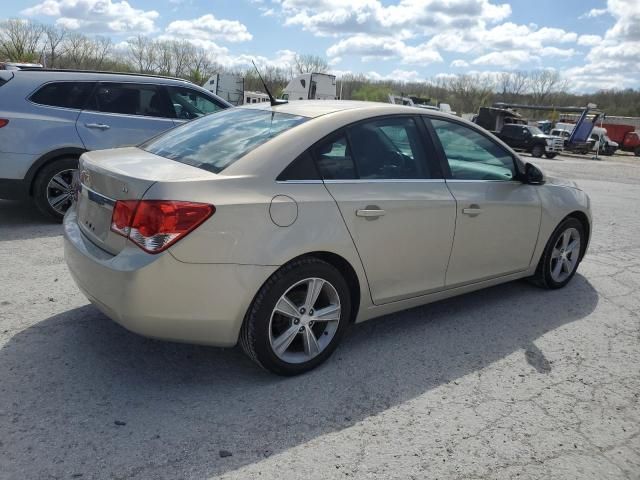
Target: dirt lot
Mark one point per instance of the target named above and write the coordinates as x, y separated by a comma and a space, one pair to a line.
504, 383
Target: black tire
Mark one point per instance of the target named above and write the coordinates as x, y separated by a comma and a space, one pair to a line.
254, 334
550, 155
537, 150
41, 182
636, 152
542, 278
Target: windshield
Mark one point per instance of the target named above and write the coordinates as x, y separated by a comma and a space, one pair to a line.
216, 141
535, 131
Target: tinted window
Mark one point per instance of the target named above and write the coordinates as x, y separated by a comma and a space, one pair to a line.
471, 155
188, 104
64, 94
388, 149
215, 141
131, 99
334, 159
302, 168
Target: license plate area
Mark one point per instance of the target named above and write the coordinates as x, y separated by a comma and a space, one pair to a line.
94, 214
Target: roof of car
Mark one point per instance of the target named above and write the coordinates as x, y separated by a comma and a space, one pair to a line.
60, 74
316, 108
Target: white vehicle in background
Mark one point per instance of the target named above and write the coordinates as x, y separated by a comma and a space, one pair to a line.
255, 97
409, 102
311, 86
227, 86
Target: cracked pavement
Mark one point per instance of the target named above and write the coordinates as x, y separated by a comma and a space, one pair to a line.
509, 382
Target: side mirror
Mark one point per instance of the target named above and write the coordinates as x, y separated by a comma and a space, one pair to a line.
533, 175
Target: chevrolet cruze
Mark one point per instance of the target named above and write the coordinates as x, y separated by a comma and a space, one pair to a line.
279, 226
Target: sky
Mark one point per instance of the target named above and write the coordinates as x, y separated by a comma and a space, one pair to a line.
594, 44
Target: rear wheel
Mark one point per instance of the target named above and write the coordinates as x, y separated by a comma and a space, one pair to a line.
561, 256
637, 152
52, 188
297, 318
537, 151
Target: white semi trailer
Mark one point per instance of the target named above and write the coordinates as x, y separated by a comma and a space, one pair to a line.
228, 86
311, 86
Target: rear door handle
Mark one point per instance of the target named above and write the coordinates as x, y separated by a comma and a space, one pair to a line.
472, 210
370, 212
100, 126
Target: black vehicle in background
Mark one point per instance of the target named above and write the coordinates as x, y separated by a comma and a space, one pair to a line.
509, 126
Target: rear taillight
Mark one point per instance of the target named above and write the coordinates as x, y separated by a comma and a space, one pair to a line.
155, 225
3, 122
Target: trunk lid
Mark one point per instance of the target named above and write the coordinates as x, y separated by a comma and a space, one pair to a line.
106, 176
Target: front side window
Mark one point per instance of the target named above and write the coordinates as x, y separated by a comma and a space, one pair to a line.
131, 99
189, 104
64, 94
471, 155
389, 148
216, 141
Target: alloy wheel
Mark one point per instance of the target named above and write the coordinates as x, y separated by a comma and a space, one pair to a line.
60, 190
565, 255
304, 320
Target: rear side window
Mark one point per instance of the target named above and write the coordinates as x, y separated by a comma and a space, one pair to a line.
216, 141
131, 99
64, 94
385, 149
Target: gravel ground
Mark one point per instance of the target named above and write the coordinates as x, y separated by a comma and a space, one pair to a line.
508, 382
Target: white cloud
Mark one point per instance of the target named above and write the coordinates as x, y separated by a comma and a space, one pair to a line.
396, 75
594, 12
209, 28
612, 61
96, 16
459, 63
369, 48
406, 18
589, 40
508, 59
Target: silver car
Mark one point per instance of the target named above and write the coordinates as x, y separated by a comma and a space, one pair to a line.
280, 226
48, 118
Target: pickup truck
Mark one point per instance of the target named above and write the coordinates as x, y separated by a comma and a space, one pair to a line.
530, 139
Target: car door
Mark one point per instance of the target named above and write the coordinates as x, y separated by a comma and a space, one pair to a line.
394, 202
124, 114
498, 217
188, 104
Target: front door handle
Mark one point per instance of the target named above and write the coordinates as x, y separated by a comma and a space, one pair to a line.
472, 210
100, 126
370, 212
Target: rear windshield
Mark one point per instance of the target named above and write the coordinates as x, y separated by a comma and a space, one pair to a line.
216, 141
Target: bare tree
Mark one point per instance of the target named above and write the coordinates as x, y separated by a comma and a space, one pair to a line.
470, 91
54, 37
512, 84
545, 83
20, 40
307, 63
143, 52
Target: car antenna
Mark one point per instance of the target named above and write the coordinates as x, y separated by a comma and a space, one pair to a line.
274, 101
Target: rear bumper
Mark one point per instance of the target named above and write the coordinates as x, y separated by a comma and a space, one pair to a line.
160, 297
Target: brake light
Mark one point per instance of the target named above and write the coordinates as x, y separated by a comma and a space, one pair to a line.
3, 122
155, 225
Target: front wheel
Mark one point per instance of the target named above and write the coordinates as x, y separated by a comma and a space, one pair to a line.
297, 318
537, 151
53, 189
550, 155
561, 256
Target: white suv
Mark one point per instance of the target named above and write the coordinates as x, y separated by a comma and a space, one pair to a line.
48, 118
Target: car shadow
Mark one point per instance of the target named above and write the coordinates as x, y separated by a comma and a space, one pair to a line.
81, 396
21, 220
